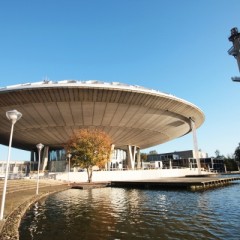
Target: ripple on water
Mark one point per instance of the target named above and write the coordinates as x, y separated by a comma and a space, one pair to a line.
115, 213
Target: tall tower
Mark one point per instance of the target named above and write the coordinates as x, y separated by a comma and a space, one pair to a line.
235, 49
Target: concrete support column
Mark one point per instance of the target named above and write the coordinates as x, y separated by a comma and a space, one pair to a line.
111, 156
112, 149
45, 157
195, 145
33, 160
170, 164
138, 159
108, 164
131, 156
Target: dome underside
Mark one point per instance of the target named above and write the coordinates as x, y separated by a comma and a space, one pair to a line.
51, 115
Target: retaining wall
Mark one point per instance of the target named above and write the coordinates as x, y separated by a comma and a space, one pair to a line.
127, 175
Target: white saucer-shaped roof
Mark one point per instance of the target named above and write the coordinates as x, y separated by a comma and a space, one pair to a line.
131, 115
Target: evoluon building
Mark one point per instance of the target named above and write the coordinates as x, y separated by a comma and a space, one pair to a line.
133, 116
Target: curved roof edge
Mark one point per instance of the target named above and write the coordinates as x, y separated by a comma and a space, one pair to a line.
94, 84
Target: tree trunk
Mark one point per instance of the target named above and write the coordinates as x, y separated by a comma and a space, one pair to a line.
89, 172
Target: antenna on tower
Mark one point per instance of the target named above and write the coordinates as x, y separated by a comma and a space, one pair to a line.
46, 79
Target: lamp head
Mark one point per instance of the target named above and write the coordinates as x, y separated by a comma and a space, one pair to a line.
13, 115
40, 146
69, 155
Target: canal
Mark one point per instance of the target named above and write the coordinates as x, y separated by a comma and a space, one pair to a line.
118, 213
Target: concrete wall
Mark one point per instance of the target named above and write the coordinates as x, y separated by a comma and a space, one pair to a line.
101, 176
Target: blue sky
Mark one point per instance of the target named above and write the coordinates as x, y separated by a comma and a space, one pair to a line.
178, 47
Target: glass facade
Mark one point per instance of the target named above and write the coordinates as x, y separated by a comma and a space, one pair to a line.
210, 164
57, 160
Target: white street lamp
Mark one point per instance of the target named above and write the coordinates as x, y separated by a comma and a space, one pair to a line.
39, 147
14, 116
69, 167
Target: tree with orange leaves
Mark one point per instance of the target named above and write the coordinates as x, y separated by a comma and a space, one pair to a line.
89, 147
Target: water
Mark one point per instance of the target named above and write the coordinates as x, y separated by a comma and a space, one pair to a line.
116, 213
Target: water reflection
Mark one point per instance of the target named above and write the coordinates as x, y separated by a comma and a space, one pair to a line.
115, 213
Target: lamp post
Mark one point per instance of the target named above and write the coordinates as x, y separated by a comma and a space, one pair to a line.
69, 157
39, 147
13, 116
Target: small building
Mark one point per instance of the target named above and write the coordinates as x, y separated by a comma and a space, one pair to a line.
183, 159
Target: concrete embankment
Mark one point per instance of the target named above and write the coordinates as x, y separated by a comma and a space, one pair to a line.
21, 194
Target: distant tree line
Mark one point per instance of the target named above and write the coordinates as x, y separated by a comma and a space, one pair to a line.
232, 162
